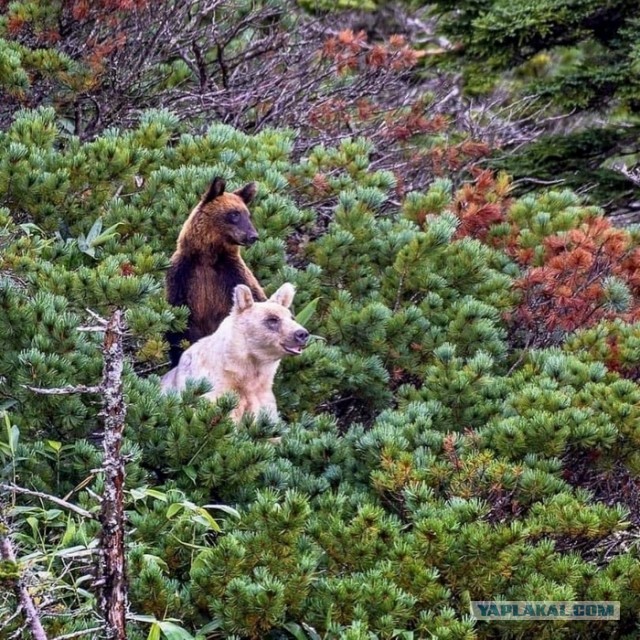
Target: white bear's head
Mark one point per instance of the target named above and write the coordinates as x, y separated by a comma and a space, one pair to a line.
268, 328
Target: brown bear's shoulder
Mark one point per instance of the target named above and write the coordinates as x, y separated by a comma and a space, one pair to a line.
207, 264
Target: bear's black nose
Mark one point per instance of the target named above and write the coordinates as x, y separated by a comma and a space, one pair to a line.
301, 336
251, 239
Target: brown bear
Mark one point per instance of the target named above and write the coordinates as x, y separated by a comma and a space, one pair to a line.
243, 355
207, 265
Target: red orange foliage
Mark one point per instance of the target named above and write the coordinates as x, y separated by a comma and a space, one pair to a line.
99, 52
348, 50
568, 290
481, 204
15, 23
102, 9
404, 127
402, 124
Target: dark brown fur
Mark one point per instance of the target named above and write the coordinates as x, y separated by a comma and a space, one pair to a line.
207, 265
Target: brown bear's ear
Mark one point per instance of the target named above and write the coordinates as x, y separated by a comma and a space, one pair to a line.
284, 295
248, 192
216, 188
242, 298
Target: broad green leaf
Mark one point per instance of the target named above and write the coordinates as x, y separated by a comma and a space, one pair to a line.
70, 531
157, 560
173, 509
7, 404
158, 495
55, 445
14, 438
307, 312
87, 577
154, 632
223, 507
206, 519
140, 493
172, 631
94, 232
13, 434
106, 235
141, 617
191, 473
214, 625
33, 523
29, 228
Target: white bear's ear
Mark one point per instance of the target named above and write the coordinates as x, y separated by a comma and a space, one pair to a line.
242, 298
284, 295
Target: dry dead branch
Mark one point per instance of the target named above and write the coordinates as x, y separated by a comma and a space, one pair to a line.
31, 612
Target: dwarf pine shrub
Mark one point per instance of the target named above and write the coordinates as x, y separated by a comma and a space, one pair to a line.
426, 459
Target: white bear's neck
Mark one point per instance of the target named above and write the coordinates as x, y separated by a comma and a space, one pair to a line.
248, 372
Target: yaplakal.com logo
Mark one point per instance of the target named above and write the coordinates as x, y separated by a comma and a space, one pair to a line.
545, 610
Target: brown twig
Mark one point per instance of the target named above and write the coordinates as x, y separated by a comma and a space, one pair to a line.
45, 496
78, 634
61, 391
22, 593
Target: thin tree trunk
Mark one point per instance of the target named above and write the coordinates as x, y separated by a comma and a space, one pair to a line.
112, 598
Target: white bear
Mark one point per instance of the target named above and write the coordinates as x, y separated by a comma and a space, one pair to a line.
243, 355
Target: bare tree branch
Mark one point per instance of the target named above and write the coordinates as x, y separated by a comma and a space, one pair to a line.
112, 595
31, 613
45, 496
78, 634
631, 174
62, 391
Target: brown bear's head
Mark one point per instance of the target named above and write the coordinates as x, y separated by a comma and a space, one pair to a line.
268, 328
221, 219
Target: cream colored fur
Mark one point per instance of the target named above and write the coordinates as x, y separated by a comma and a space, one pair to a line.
243, 355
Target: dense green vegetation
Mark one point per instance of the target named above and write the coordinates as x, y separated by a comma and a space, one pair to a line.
413, 441
580, 60
595, 46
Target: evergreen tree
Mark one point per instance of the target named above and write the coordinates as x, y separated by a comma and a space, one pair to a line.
578, 59
594, 46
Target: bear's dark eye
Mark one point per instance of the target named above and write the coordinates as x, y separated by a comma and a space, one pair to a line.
273, 322
233, 217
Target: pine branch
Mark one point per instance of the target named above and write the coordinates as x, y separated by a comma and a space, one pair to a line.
102, 326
